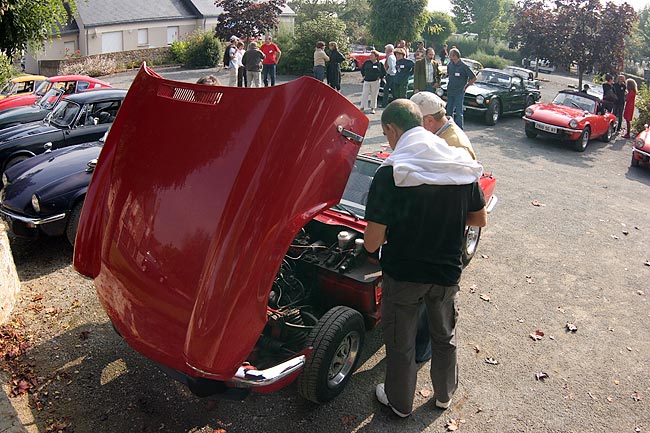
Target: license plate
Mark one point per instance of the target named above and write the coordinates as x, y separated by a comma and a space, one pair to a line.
547, 128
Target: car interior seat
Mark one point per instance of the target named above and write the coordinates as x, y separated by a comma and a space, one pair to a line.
104, 117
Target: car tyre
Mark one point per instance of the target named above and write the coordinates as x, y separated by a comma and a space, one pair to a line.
635, 162
581, 143
73, 223
354, 65
15, 160
472, 236
337, 340
610, 132
529, 101
493, 112
530, 132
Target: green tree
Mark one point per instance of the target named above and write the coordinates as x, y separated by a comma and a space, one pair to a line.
300, 57
26, 23
478, 16
393, 20
438, 28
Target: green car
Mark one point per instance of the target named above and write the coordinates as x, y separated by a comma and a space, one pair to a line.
496, 93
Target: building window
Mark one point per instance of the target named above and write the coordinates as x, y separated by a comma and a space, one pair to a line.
111, 42
143, 37
172, 34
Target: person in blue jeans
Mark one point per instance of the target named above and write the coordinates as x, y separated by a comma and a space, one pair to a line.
460, 78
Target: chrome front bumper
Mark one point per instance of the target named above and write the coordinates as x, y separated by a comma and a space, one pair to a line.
640, 152
559, 128
31, 222
492, 203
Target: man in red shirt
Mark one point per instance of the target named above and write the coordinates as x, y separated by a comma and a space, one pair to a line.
272, 53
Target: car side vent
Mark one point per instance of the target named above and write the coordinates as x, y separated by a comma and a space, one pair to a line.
209, 97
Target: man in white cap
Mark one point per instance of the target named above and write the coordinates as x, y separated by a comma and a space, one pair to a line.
436, 120
233, 64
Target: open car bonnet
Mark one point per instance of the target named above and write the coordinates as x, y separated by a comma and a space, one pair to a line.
197, 195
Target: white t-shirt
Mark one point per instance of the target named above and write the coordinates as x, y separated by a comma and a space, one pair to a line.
238, 56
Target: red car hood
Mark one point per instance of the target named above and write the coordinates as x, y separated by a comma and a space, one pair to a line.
17, 101
198, 193
556, 114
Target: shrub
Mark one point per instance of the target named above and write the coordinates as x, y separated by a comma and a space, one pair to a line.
200, 48
513, 56
7, 70
95, 66
288, 63
490, 61
466, 45
643, 105
323, 28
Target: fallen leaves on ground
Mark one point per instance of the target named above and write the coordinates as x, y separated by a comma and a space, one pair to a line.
640, 292
348, 420
491, 361
625, 232
485, 256
485, 297
536, 335
83, 335
472, 288
219, 430
614, 236
536, 203
426, 393
57, 425
541, 376
454, 424
647, 263
476, 348
571, 327
636, 396
13, 343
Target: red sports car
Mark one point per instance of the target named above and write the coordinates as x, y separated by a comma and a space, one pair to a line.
237, 262
572, 116
358, 58
70, 84
641, 149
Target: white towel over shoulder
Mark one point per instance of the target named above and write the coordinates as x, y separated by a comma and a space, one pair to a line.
422, 158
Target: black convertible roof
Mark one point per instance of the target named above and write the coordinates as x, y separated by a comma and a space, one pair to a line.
584, 95
95, 95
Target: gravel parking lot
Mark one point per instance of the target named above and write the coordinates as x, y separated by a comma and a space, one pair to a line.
567, 243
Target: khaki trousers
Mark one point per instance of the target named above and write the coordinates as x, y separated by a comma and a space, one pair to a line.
399, 310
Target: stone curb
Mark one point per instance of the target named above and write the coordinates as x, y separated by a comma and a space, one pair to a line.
9, 283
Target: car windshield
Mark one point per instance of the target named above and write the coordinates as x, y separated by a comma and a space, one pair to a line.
493, 78
8, 88
575, 101
50, 99
355, 195
64, 114
43, 87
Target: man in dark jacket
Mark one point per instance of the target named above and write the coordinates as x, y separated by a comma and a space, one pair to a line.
619, 90
427, 73
252, 61
404, 69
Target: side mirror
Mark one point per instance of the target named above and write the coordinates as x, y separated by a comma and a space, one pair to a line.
48, 147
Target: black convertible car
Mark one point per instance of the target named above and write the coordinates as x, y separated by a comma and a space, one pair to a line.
78, 118
45, 194
31, 113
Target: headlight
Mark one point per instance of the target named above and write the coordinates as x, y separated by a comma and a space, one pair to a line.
480, 99
35, 204
529, 112
573, 123
639, 143
5, 180
439, 91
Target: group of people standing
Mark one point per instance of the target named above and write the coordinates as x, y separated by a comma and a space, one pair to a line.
619, 98
246, 67
328, 64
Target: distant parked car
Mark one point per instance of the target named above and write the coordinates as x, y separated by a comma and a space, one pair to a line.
45, 194
641, 149
70, 84
358, 58
526, 74
474, 65
572, 116
544, 65
20, 85
76, 119
38, 111
496, 93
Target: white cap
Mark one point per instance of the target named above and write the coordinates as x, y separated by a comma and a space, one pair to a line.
429, 103
233, 38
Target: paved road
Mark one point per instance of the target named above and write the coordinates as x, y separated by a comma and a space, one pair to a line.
567, 260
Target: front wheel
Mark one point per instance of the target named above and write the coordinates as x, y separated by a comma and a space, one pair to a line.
530, 133
337, 340
73, 223
581, 143
610, 132
472, 236
493, 112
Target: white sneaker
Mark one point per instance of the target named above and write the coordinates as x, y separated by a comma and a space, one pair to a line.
441, 405
372, 111
383, 399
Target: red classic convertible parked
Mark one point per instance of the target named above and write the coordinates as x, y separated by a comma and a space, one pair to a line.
236, 262
572, 116
69, 83
641, 149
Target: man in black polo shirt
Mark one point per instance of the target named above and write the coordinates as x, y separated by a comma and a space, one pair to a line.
419, 202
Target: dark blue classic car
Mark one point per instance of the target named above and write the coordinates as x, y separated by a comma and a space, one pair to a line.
45, 194
78, 118
31, 113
